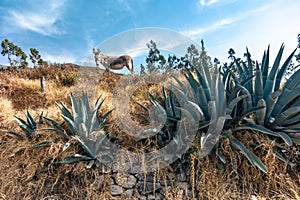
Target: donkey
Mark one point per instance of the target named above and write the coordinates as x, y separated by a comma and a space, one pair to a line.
113, 62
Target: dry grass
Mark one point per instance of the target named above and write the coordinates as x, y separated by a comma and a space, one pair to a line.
32, 174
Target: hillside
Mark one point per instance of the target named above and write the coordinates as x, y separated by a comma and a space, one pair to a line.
30, 170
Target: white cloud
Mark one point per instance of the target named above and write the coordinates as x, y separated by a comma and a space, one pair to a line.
200, 31
208, 2
61, 58
43, 18
197, 32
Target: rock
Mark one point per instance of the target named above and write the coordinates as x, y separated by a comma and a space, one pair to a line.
181, 177
148, 187
129, 192
126, 180
116, 190
151, 197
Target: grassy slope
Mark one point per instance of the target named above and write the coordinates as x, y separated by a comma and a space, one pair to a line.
31, 174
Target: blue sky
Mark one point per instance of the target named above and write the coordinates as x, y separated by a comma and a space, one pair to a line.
67, 30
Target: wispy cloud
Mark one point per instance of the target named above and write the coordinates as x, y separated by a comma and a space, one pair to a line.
207, 2
61, 58
44, 18
200, 31
194, 33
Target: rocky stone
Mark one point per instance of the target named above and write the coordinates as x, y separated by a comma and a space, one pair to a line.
181, 177
143, 198
183, 185
116, 190
151, 197
126, 180
129, 192
147, 187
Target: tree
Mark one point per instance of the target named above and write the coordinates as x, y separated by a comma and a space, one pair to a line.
143, 69
205, 60
7, 49
193, 56
198, 59
231, 53
155, 60
15, 55
35, 58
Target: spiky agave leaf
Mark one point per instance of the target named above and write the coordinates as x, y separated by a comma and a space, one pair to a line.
253, 159
271, 78
21, 137
262, 129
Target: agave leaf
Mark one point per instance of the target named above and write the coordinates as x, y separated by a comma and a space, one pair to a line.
30, 120
248, 100
234, 102
100, 140
142, 106
75, 109
240, 70
262, 129
253, 159
212, 111
265, 66
41, 118
279, 156
271, 78
255, 127
195, 111
286, 114
196, 89
176, 112
71, 124
13, 133
180, 95
249, 111
20, 150
243, 149
250, 71
259, 90
282, 70
86, 103
102, 120
296, 126
292, 82
144, 117
286, 138
221, 156
58, 128
87, 149
64, 110
182, 86
270, 102
284, 99
82, 130
204, 84
97, 103
83, 112
261, 114
42, 144
74, 159
291, 120
25, 127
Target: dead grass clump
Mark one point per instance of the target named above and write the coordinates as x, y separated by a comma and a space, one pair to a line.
238, 179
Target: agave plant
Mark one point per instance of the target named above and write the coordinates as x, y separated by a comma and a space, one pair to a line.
85, 127
203, 98
276, 109
28, 127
